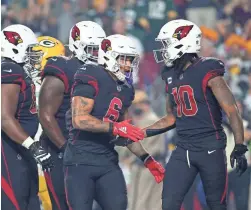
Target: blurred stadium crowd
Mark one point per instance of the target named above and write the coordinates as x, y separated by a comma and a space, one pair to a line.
226, 27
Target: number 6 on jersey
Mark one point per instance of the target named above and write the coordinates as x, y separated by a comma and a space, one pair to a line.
112, 113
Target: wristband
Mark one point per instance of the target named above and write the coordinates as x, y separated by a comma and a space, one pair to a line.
144, 157
111, 128
154, 132
27, 142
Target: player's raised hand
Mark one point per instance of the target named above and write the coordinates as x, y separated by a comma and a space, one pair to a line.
41, 156
155, 168
238, 155
127, 130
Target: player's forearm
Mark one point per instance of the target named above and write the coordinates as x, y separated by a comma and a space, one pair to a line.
227, 102
52, 129
166, 123
237, 127
90, 123
13, 129
137, 149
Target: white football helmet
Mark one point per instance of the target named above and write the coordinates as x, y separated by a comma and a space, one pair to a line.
177, 37
18, 42
84, 40
114, 52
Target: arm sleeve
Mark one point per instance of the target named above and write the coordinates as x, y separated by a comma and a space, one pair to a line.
56, 67
13, 74
215, 68
84, 90
88, 79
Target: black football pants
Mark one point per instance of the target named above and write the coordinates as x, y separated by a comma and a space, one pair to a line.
55, 182
106, 184
181, 171
19, 179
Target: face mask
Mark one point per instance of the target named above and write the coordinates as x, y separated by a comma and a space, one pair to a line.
138, 111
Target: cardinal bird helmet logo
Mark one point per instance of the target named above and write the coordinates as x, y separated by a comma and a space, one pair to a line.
13, 37
75, 33
182, 31
106, 45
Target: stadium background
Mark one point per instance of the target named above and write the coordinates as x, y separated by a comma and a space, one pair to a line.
226, 27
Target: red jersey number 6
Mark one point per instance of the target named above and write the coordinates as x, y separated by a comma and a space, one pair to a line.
112, 114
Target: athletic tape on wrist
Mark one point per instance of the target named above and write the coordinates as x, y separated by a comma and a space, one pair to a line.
27, 142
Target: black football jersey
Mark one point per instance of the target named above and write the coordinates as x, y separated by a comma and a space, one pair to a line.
112, 99
64, 69
26, 114
198, 113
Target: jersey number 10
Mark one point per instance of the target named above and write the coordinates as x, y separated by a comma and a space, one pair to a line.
179, 98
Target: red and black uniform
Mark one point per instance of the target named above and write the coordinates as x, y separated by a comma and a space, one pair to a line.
91, 162
64, 69
19, 176
201, 139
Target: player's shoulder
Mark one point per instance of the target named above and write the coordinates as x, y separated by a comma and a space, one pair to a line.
211, 63
56, 61
89, 72
59, 66
11, 68
12, 73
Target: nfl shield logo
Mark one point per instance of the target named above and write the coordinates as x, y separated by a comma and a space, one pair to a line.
119, 88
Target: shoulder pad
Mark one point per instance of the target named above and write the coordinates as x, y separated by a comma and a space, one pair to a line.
88, 75
12, 73
87, 72
56, 60
213, 64
11, 68
57, 66
213, 68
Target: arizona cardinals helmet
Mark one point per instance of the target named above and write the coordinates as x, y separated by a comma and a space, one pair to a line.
114, 51
177, 38
18, 42
84, 40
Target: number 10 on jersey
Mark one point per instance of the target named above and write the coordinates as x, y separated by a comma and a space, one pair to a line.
179, 98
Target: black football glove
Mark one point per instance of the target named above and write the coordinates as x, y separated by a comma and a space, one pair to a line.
120, 141
61, 151
238, 154
41, 156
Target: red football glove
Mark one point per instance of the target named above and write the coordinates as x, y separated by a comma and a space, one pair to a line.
155, 168
127, 130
